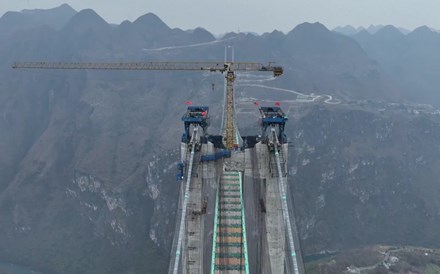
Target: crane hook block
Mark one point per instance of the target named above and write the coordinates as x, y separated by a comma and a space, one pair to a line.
277, 71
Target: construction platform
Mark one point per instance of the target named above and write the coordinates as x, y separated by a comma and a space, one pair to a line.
239, 216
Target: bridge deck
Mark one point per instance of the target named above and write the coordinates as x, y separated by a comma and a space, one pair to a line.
230, 247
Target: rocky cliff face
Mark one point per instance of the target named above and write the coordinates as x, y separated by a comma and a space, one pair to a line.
87, 165
363, 177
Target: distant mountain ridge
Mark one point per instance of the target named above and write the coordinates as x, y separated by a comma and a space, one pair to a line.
55, 18
372, 29
411, 60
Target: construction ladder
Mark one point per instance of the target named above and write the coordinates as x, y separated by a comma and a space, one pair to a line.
229, 253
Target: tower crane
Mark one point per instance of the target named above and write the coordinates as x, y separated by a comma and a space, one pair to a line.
226, 68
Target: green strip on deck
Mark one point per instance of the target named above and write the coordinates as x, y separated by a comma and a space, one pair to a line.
231, 209
229, 267
243, 221
230, 217
229, 196
230, 234
231, 190
231, 193
213, 235
220, 244
231, 173
228, 255
236, 187
229, 225
230, 203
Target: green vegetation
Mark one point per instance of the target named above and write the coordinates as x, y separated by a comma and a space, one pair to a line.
432, 269
409, 260
313, 267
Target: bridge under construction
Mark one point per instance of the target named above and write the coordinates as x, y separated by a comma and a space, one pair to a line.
235, 212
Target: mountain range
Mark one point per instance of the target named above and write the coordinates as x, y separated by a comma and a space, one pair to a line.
372, 29
87, 169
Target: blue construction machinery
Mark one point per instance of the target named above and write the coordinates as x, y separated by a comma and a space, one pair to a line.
225, 153
180, 168
196, 116
273, 117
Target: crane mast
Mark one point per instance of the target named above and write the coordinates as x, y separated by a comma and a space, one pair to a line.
230, 134
228, 68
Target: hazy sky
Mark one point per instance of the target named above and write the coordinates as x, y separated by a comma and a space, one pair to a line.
219, 16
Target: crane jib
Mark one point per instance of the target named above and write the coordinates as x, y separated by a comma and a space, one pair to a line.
208, 66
